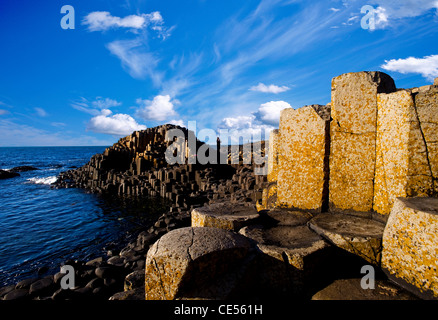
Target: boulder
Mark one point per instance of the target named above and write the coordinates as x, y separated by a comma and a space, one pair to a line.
410, 245
360, 236
192, 262
17, 294
23, 169
353, 138
137, 294
304, 148
4, 174
224, 215
435, 82
350, 289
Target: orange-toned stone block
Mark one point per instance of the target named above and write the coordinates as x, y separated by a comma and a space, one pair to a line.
402, 167
303, 155
353, 138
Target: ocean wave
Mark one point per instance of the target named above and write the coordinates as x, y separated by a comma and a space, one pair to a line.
46, 180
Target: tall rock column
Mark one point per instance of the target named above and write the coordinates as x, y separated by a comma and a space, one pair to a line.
407, 135
353, 138
302, 160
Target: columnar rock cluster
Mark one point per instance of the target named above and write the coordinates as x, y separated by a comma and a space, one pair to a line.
136, 166
373, 151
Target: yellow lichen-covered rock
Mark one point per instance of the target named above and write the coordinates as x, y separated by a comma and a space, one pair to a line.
353, 138
302, 160
273, 156
402, 167
410, 244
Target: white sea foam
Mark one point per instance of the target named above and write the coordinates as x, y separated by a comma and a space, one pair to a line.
46, 180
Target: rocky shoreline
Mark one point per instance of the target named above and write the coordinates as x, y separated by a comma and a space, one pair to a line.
127, 169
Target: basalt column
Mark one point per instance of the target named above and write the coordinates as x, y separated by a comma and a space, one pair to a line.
353, 138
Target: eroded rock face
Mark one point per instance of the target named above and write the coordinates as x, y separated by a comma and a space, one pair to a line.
195, 263
224, 215
353, 138
303, 157
410, 244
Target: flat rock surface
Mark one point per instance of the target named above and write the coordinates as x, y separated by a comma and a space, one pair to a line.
357, 235
350, 289
346, 225
287, 217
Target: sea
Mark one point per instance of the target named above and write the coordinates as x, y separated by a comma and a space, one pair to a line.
41, 227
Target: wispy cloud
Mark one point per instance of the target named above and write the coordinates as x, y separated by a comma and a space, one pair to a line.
426, 66
94, 107
261, 87
41, 112
136, 60
17, 134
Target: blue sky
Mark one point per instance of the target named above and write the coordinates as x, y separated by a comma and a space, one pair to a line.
132, 64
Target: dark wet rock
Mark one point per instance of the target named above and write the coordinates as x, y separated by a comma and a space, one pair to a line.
25, 284
42, 286
23, 169
7, 174
17, 294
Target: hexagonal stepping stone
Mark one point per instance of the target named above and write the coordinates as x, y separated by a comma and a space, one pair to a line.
350, 289
224, 215
357, 235
291, 255
195, 263
293, 245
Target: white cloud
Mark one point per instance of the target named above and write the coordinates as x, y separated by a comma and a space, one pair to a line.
41, 112
427, 66
103, 20
2, 112
261, 87
177, 122
269, 113
334, 9
159, 109
138, 62
117, 124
